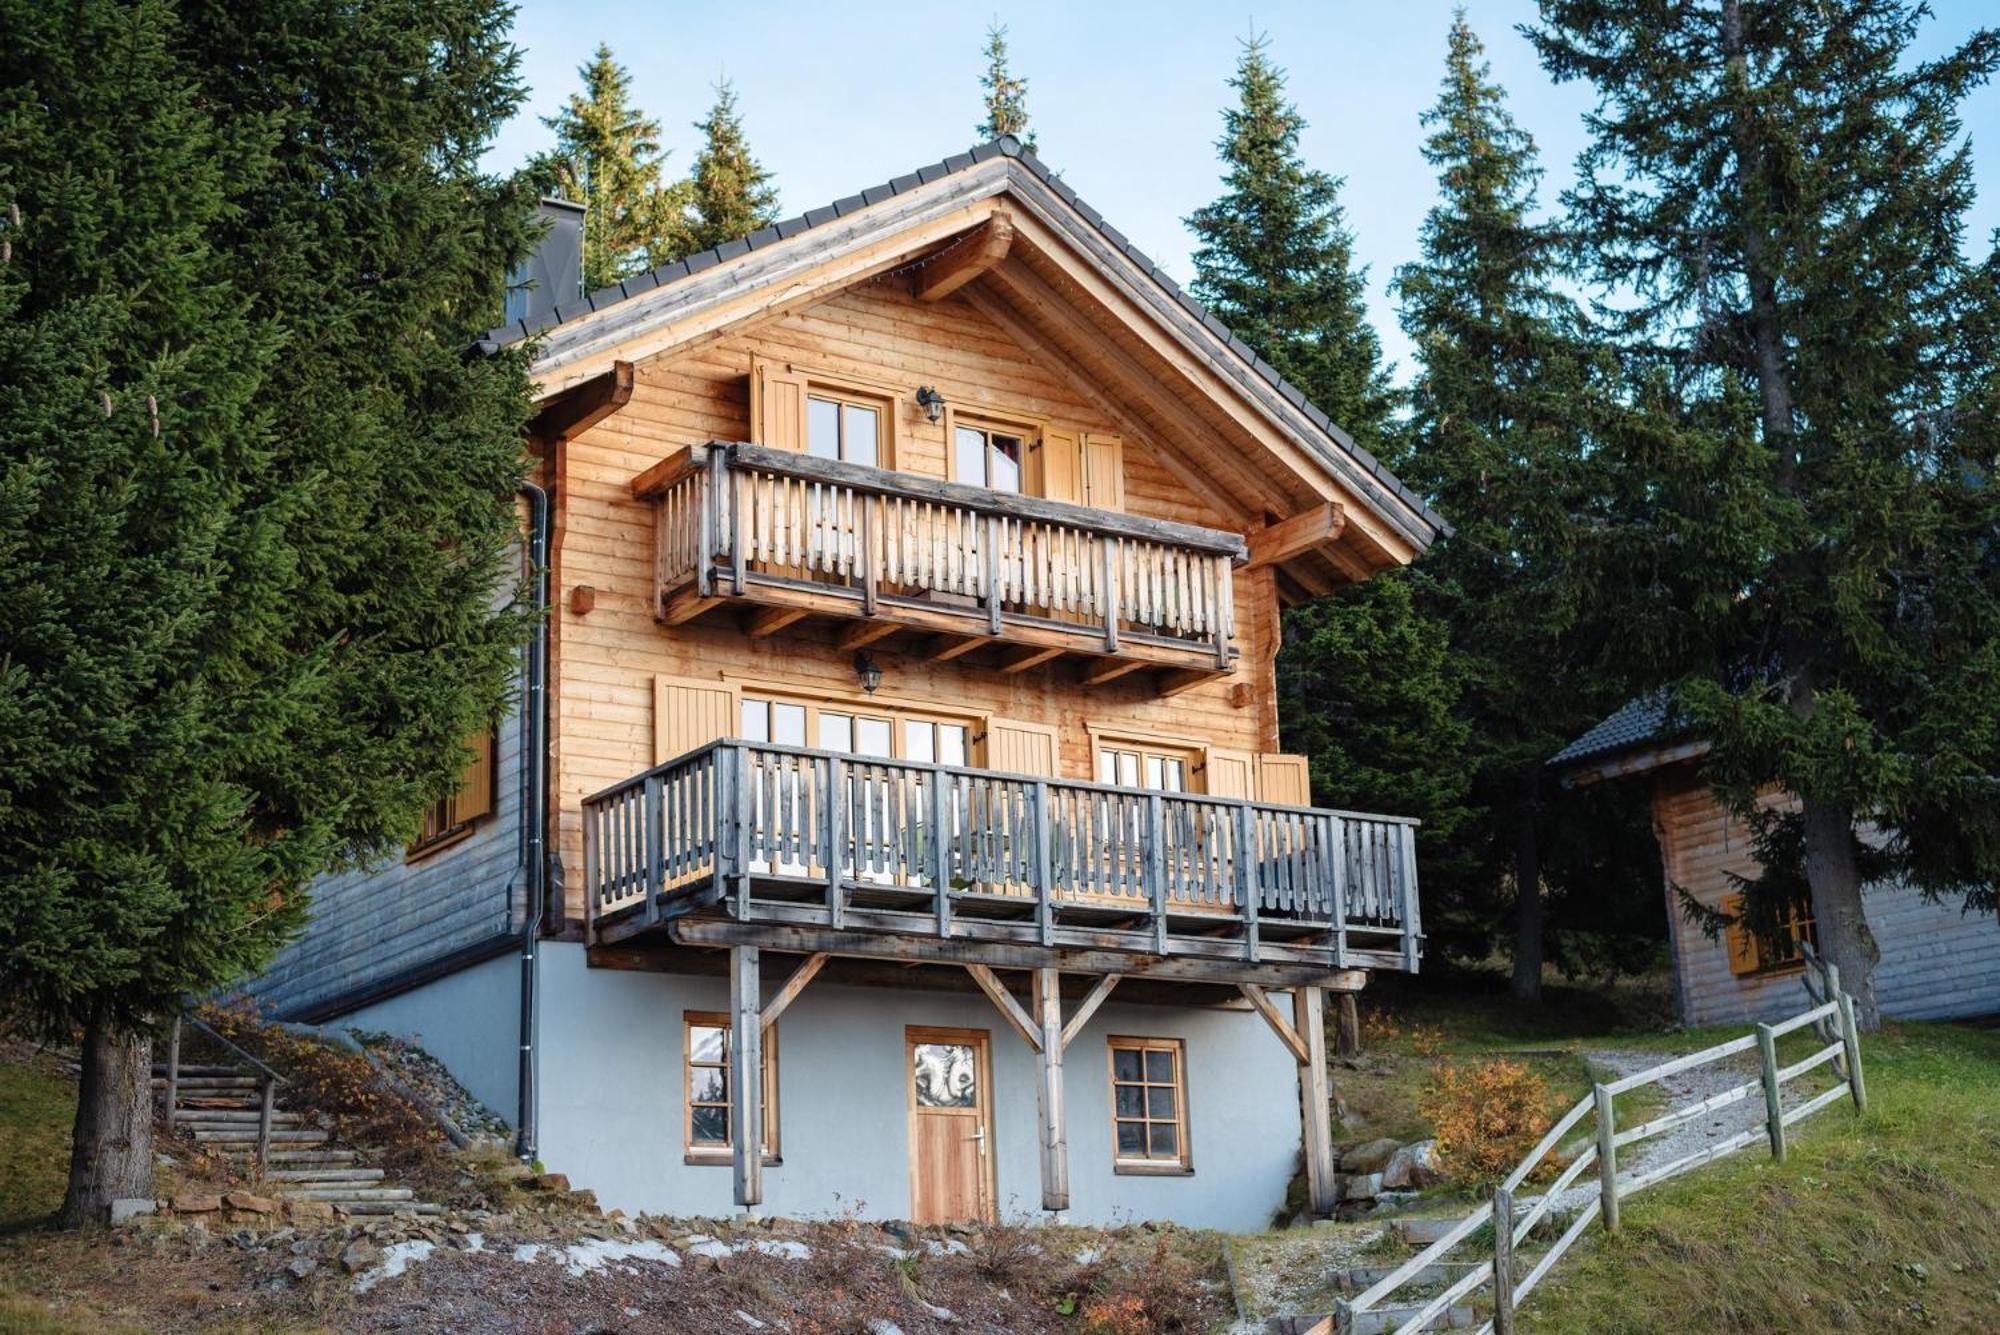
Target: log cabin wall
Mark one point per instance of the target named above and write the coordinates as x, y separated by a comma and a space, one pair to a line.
1937, 961
606, 659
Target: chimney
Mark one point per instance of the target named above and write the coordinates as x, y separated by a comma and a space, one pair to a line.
553, 275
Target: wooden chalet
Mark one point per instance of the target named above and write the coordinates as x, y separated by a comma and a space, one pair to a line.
916, 570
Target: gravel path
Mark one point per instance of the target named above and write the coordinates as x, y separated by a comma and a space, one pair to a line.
1688, 1087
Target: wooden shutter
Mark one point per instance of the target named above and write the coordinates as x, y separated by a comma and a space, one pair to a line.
1229, 772
1061, 466
1022, 748
777, 406
1284, 779
475, 793
1742, 942
688, 713
1104, 471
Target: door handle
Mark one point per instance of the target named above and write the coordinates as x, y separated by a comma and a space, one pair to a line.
979, 1136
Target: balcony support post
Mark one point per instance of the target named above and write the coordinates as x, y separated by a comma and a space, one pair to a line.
1038, 834
836, 841
710, 540
1053, 1129
746, 1075
992, 577
1109, 592
1154, 868
1315, 1097
739, 559
655, 817
940, 849
746, 814
1247, 887
1413, 930
870, 567
1220, 618
1337, 881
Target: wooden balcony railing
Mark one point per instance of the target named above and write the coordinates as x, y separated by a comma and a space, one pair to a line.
823, 537
790, 835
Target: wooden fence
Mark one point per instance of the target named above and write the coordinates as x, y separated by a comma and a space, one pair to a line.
1508, 1276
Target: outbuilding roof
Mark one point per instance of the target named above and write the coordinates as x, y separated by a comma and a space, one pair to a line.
1007, 146
1637, 723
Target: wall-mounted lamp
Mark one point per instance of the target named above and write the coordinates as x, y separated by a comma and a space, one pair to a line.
869, 671
931, 402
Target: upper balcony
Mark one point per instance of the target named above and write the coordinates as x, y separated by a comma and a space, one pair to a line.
748, 843
801, 536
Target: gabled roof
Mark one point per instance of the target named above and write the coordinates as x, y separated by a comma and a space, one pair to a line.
1361, 471
1637, 723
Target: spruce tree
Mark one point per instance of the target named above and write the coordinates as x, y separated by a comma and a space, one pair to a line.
608, 158
1275, 261
1776, 194
1363, 683
1500, 431
254, 499
1006, 96
729, 194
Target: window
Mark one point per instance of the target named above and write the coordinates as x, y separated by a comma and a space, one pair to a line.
1148, 1106
451, 818
1164, 769
845, 426
706, 1044
984, 456
1749, 953
898, 734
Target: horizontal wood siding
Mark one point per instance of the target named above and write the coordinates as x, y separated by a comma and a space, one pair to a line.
373, 923
877, 334
1937, 962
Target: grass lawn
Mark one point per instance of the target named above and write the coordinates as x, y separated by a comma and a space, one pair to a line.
36, 1104
1886, 1221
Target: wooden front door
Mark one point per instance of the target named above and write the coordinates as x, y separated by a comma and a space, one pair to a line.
949, 1076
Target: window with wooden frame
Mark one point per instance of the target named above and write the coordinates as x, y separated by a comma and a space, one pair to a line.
1132, 762
1149, 1125
991, 452
1751, 954
451, 819
859, 728
827, 416
705, 1061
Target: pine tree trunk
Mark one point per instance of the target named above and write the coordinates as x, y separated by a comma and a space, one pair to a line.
1835, 878
1527, 903
111, 1151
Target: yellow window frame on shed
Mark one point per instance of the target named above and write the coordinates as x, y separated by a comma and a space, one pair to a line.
1750, 955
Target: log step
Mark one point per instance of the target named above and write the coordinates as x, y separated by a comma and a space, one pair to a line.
387, 1207
221, 1115
310, 1193
327, 1175
188, 1082
300, 1158
160, 1070
247, 1135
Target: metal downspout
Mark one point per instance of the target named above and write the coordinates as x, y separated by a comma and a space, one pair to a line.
534, 819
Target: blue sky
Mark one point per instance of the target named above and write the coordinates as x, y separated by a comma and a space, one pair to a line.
1125, 97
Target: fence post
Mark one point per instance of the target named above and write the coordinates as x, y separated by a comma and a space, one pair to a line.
1503, 1262
264, 1125
1774, 1104
173, 1068
1850, 1039
1607, 1157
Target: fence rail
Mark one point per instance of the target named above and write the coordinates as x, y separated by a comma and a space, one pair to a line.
1831, 1018
268, 1080
730, 812
871, 541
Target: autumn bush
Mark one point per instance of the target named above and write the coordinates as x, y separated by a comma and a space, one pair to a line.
1486, 1118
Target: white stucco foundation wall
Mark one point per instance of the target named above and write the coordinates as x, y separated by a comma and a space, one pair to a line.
611, 1103
469, 1020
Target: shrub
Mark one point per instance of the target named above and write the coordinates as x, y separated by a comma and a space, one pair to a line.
1123, 1315
1485, 1118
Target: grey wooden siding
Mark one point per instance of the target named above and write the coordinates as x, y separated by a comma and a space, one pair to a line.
1937, 961
371, 924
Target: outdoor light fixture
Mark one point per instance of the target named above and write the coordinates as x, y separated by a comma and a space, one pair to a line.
869, 671
931, 402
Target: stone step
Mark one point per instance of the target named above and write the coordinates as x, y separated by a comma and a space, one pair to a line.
386, 1207
1431, 1276
247, 1135
324, 1176
348, 1193
1423, 1232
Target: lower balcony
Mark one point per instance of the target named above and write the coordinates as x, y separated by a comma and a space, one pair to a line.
742, 843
